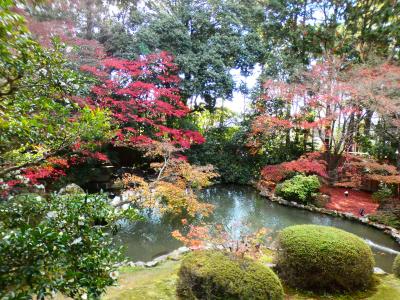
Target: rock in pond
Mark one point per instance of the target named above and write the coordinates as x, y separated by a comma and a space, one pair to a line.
379, 271
71, 189
140, 264
151, 264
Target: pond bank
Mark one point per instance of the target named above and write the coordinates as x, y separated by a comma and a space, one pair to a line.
394, 233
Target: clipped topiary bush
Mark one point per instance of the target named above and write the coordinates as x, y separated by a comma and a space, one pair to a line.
219, 275
300, 188
396, 266
324, 259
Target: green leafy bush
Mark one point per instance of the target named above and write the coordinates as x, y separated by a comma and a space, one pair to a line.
384, 193
219, 275
396, 266
300, 188
388, 218
225, 148
324, 259
58, 244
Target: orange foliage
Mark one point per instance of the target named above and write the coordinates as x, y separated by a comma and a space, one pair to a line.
172, 190
356, 170
215, 236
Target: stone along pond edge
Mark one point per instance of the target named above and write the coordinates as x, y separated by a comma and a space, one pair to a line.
393, 232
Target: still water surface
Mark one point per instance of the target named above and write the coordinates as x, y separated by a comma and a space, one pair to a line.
236, 206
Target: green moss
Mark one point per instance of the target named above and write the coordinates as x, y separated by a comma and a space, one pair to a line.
160, 283
146, 284
387, 289
396, 266
324, 259
218, 275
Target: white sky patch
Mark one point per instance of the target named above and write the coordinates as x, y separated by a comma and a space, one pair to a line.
240, 101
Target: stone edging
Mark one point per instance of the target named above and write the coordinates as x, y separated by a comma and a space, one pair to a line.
173, 255
177, 254
394, 233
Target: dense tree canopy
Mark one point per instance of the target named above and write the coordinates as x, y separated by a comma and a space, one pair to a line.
208, 39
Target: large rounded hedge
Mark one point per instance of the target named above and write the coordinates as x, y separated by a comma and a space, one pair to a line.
396, 266
323, 259
219, 275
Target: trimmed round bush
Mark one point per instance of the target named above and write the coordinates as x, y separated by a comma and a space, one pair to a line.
219, 275
396, 266
299, 188
324, 259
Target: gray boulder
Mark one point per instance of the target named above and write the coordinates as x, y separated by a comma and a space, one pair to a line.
379, 271
71, 189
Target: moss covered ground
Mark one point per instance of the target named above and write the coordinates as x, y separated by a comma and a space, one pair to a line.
152, 283
158, 283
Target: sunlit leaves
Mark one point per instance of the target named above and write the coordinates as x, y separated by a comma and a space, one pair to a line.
59, 244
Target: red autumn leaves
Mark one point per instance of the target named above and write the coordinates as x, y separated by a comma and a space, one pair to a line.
143, 97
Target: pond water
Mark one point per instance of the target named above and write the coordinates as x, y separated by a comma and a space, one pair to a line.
236, 206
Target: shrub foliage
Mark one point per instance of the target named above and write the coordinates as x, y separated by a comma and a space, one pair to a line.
218, 275
59, 244
324, 259
300, 188
396, 266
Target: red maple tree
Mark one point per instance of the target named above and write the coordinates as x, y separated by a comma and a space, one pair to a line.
321, 105
143, 96
60, 22
310, 163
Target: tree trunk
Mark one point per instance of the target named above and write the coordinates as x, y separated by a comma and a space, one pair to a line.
368, 123
89, 19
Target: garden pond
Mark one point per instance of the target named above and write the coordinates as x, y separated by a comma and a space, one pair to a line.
241, 208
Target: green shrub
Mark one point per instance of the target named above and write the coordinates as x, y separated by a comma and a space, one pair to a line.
323, 259
300, 188
384, 193
387, 218
396, 266
219, 275
55, 244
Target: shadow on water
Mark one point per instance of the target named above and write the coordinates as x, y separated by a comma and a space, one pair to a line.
237, 205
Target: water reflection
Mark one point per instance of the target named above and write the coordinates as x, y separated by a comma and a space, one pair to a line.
235, 205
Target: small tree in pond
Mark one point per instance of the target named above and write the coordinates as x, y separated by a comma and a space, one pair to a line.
173, 189
239, 241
